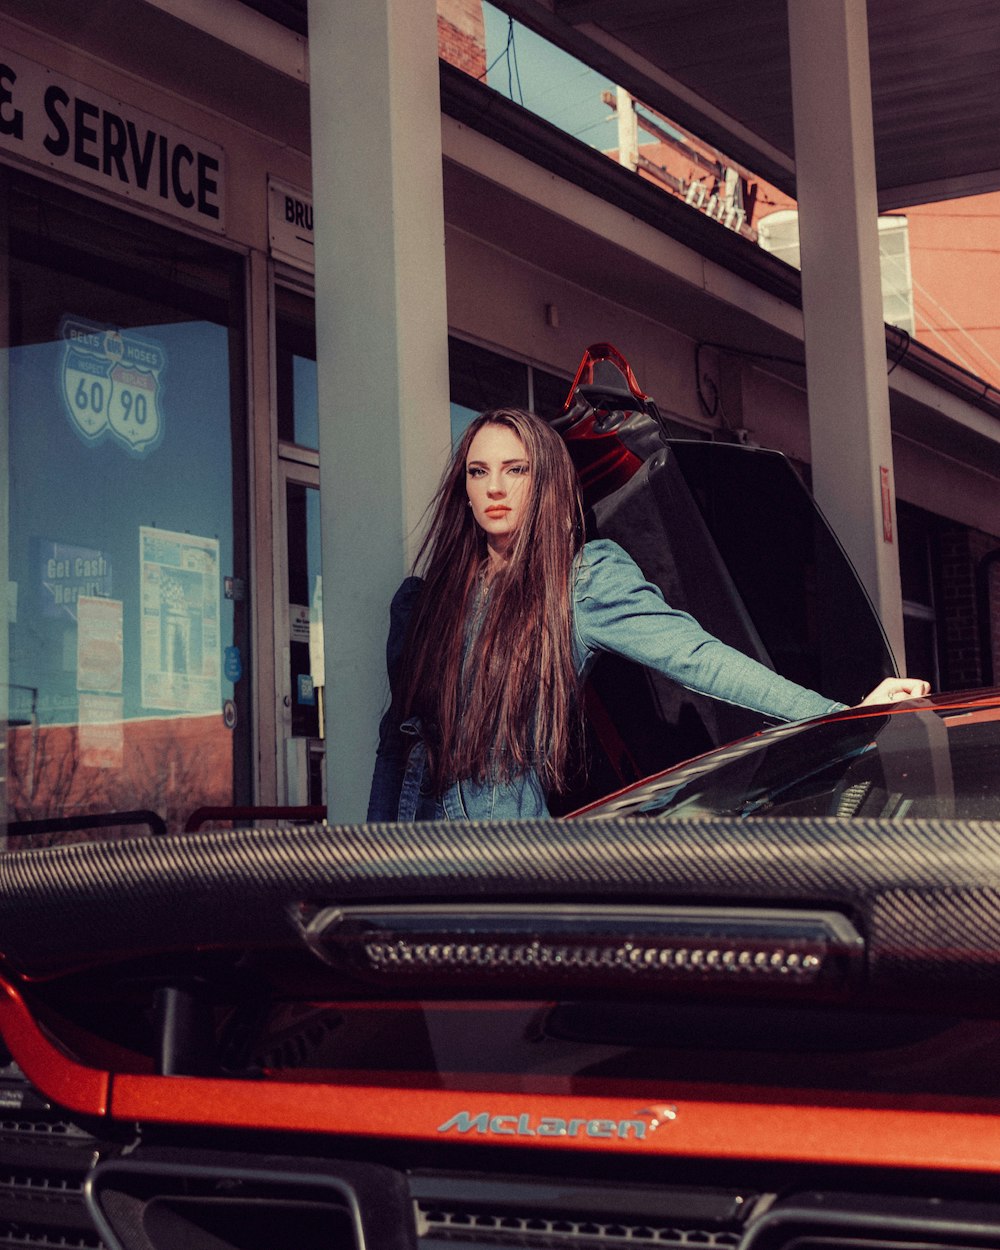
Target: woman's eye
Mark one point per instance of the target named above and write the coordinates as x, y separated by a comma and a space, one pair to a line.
519, 469
475, 471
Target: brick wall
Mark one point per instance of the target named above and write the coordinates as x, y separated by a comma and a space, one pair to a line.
461, 36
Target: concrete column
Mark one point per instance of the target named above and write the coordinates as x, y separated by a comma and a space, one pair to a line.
381, 327
842, 294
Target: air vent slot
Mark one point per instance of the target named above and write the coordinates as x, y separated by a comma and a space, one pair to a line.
42, 1128
194, 1199
438, 1226
453, 1212
839, 1221
247, 1211
22, 1237
44, 1160
22, 1182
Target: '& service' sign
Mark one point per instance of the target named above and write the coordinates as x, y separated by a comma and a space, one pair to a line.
49, 118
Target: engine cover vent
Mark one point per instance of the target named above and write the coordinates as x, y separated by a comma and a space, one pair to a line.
437, 1226
453, 1212
839, 1221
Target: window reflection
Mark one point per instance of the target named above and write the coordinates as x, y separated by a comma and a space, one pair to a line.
925, 764
305, 607
125, 561
480, 379
295, 366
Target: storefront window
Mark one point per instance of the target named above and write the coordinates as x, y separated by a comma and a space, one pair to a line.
305, 608
916, 531
123, 421
481, 379
301, 643
295, 355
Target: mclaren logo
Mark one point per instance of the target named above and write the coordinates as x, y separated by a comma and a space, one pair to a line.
524, 1124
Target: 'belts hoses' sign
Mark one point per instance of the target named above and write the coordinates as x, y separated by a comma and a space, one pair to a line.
68, 126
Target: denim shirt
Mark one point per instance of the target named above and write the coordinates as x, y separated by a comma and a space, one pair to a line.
614, 609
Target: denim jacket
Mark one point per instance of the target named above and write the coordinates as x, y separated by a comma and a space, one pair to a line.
614, 609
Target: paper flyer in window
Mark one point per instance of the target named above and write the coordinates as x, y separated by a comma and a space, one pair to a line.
181, 651
99, 647
101, 731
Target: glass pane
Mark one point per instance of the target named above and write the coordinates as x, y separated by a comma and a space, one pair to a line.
914, 531
481, 379
924, 763
126, 562
305, 608
810, 610
460, 419
779, 234
897, 281
494, 1046
548, 393
920, 641
295, 365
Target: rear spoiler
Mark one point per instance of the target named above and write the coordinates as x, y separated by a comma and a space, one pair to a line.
814, 909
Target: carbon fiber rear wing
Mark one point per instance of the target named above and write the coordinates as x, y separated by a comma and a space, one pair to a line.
901, 913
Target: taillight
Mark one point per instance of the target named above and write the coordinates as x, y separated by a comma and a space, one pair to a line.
602, 948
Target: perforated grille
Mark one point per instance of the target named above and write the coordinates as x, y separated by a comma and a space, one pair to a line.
44, 1160
17, 1238
52, 1186
456, 1224
41, 1128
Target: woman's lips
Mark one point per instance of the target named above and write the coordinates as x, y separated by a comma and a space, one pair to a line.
497, 511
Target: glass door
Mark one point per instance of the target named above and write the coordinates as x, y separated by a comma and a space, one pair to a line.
300, 635
305, 727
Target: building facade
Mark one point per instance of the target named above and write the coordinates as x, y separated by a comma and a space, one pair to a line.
158, 401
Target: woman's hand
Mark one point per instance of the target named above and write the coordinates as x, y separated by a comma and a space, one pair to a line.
895, 688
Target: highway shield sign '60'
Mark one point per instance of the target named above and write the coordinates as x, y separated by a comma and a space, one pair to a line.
112, 385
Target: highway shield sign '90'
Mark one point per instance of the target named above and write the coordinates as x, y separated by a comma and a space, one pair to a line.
112, 385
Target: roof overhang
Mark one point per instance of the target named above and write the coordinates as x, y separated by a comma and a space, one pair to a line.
722, 70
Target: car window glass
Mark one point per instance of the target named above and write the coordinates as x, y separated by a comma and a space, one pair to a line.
920, 764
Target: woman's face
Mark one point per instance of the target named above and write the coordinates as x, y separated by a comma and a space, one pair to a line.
498, 483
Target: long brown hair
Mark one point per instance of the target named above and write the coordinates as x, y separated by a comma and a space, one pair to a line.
510, 704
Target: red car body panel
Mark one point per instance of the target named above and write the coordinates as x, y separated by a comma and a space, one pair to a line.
848, 1129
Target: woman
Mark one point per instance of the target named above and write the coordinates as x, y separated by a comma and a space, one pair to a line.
487, 650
